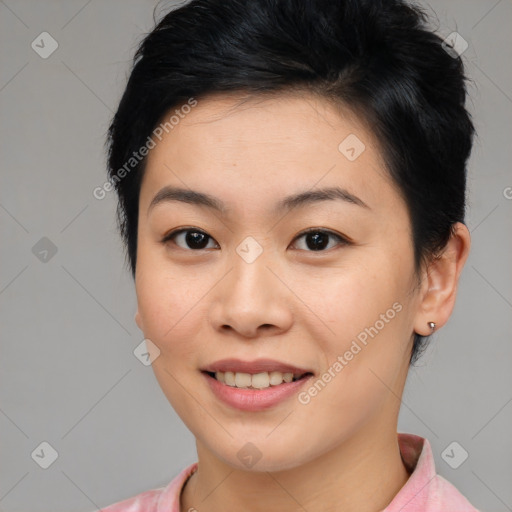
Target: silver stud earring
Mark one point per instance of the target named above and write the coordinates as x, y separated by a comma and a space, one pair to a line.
432, 325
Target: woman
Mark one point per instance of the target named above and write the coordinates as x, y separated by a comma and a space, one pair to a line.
291, 181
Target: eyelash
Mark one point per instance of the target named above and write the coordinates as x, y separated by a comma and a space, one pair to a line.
342, 240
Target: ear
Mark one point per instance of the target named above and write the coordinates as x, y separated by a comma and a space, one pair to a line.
138, 319
439, 285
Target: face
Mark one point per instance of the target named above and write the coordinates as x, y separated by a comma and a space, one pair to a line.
246, 281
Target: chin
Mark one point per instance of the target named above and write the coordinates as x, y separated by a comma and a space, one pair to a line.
262, 456
265, 465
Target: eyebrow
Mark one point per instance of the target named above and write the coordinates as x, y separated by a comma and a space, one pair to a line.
301, 199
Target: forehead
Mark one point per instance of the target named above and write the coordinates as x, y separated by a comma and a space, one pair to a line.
260, 149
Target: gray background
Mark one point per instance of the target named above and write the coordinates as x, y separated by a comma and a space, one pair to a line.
68, 373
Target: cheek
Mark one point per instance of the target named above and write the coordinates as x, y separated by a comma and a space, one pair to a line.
348, 300
171, 314
167, 304
167, 311
366, 312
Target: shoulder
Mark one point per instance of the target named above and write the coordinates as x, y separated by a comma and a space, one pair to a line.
444, 495
161, 499
144, 502
425, 490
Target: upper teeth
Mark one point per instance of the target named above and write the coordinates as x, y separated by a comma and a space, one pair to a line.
257, 380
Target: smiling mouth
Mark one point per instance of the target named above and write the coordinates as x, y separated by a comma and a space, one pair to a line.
261, 380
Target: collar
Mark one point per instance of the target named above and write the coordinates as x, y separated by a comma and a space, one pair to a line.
416, 453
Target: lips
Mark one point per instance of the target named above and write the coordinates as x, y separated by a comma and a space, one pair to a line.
256, 366
254, 399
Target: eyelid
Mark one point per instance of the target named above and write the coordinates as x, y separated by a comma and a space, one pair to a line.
175, 232
344, 240
339, 236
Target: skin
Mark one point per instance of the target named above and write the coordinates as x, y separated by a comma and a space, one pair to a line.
293, 304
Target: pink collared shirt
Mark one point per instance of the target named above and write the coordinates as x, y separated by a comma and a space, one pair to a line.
424, 491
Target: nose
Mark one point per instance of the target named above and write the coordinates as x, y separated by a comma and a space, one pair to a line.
252, 300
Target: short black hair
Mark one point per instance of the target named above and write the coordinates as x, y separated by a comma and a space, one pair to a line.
375, 57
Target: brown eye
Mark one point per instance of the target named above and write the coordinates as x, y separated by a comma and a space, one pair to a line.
189, 238
317, 240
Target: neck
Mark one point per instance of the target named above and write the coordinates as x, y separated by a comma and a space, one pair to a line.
358, 475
